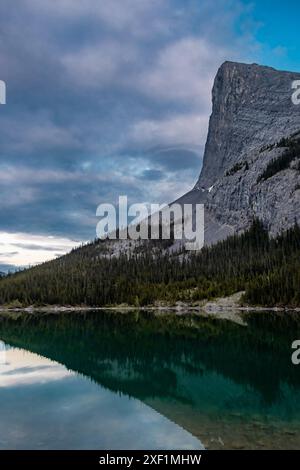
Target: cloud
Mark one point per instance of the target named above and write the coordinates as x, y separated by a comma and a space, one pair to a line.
8, 254
99, 64
280, 51
189, 129
103, 97
28, 134
152, 175
33, 249
176, 159
183, 71
132, 16
33, 246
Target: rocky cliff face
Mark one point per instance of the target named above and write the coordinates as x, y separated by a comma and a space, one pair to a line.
252, 111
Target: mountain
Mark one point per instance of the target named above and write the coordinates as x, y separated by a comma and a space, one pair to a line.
8, 268
252, 154
250, 186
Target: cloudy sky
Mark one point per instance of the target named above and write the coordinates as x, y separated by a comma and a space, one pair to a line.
112, 97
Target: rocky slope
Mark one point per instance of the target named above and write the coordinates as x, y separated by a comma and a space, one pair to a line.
252, 111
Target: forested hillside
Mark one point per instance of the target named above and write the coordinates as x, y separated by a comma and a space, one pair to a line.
267, 269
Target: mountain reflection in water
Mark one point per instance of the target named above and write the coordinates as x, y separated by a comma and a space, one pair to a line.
200, 380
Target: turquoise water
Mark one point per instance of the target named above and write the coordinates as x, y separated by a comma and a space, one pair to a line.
109, 380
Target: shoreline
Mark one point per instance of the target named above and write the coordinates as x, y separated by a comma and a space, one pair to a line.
178, 310
220, 305
223, 309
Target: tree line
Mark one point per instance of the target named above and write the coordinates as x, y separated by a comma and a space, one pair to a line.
268, 269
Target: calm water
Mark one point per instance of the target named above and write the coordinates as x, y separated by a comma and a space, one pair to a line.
143, 381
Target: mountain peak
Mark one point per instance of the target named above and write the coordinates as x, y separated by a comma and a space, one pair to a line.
251, 164
243, 67
252, 107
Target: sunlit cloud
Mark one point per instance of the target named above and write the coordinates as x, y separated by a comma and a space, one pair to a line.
21, 249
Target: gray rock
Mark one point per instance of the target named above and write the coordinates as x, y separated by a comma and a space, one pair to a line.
252, 109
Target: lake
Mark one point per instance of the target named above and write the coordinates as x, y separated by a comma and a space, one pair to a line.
145, 380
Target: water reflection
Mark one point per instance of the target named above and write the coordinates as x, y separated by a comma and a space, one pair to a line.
45, 406
229, 385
